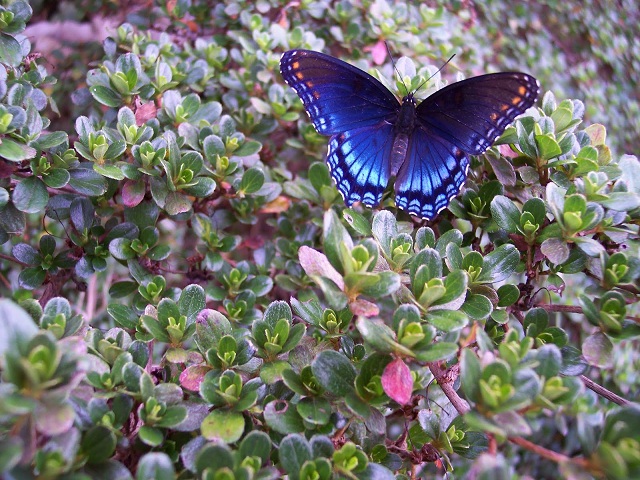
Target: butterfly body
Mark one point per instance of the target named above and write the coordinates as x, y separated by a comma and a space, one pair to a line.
374, 137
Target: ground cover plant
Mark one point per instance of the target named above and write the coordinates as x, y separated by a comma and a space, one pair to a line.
185, 294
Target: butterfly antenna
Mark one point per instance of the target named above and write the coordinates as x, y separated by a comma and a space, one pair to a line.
395, 68
436, 72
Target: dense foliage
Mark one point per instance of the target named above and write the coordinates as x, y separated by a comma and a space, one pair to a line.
188, 297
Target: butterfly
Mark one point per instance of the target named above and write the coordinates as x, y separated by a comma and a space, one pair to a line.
374, 137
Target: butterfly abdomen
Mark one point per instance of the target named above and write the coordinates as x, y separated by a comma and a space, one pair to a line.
403, 127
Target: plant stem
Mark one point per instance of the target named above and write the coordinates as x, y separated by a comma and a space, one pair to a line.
603, 392
550, 454
445, 379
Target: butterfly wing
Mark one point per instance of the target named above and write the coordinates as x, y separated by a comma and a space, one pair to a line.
472, 113
359, 162
462, 119
356, 110
432, 173
337, 96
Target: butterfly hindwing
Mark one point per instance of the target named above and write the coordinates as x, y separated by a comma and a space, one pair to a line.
433, 173
359, 162
472, 113
337, 96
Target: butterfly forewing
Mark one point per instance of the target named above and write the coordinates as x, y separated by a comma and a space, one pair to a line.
472, 113
337, 96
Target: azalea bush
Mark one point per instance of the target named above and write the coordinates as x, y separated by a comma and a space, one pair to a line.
185, 294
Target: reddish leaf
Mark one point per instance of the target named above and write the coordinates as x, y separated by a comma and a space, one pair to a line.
133, 193
315, 263
192, 377
397, 381
145, 112
379, 52
364, 308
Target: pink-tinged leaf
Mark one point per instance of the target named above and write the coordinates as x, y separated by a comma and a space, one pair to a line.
54, 419
507, 151
192, 377
316, 263
397, 381
133, 193
363, 308
145, 112
379, 53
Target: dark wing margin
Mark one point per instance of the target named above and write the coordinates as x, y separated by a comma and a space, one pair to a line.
337, 96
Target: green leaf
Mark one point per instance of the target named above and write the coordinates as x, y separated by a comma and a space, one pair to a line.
223, 426
249, 147
548, 147
192, 302
256, 444
10, 52
57, 178
151, 436
335, 235
252, 181
621, 201
47, 141
11, 450
505, 213
384, 229
386, 284
105, 96
508, 295
87, 182
17, 327
281, 416
357, 221
109, 171
156, 465
176, 203
598, 350
448, 320
456, 286
26, 254
98, 444
293, 452
315, 411
470, 375
30, 195
31, 278
437, 351
500, 264
334, 372
477, 307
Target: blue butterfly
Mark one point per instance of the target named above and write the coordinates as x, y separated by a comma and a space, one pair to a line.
425, 147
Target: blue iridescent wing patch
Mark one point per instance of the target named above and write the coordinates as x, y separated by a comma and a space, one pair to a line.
374, 137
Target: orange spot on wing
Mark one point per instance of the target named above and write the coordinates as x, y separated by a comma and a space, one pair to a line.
295, 65
316, 95
309, 84
522, 90
504, 107
299, 75
516, 100
493, 116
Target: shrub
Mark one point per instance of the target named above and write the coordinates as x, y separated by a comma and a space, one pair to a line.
187, 295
